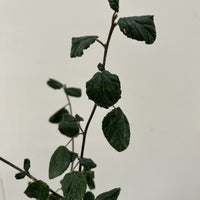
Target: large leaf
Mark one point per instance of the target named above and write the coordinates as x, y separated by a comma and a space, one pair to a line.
38, 190
104, 89
116, 129
110, 195
74, 185
114, 4
139, 28
54, 84
60, 161
81, 43
57, 116
68, 125
74, 92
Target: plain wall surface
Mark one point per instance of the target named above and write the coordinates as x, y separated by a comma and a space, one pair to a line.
160, 94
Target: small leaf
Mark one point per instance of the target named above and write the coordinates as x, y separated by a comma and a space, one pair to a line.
27, 164
74, 185
74, 92
54, 84
90, 179
89, 196
57, 117
60, 161
110, 195
116, 129
68, 125
101, 67
81, 43
104, 89
38, 190
79, 118
114, 4
88, 163
139, 28
20, 175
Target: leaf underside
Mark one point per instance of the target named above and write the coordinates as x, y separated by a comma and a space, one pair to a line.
140, 28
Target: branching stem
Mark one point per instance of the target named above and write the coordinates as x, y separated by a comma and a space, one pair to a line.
27, 174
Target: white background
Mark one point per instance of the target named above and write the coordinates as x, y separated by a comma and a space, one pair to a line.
160, 94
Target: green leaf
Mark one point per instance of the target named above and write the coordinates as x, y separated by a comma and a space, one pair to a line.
104, 89
74, 185
57, 117
20, 175
139, 28
54, 84
89, 196
110, 195
74, 92
81, 43
53, 197
68, 125
116, 129
38, 190
60, 161
88, 163
27, 164
79, 118
114, 4
101, 67
89, 175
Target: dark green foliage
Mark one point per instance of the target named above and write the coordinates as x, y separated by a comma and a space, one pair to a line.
54, 84
110, 195
60, 161
38, 190
68, 125
104, 89
81, 43
90, 179
57, 116
74, 92
139, 28
79, 118
74, 185
27, 164
101, 67
53, 197
114, 4
88, 163
89, 196
116, 129
20, 175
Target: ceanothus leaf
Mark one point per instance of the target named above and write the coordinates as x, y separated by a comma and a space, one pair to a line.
140, 28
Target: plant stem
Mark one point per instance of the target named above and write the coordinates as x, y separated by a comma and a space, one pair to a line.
27, 174
113, 24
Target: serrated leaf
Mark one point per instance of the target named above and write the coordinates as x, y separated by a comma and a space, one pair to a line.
116, 129
101, 67
89, 175
104, 89
81, 43
74, 92
68, 125
110, 195
27, 164
140, 28
79, 118
20, 175
60, 161
114, 4
89, 196
57, 116
74, 185
38, 190
88, 163
54, 84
